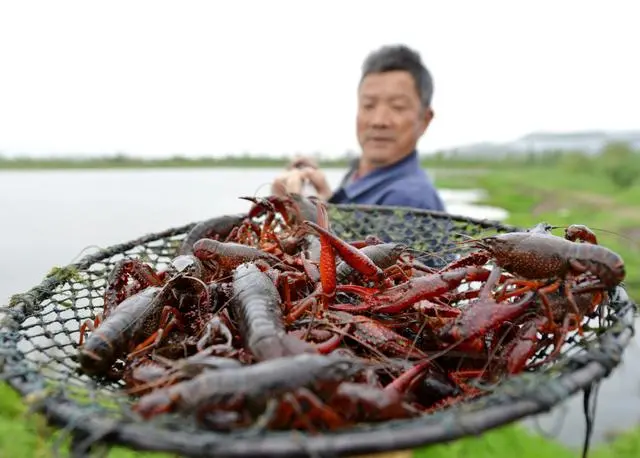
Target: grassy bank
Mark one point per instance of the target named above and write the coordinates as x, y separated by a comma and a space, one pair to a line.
23, 434
561, 197
561, 193
515, 441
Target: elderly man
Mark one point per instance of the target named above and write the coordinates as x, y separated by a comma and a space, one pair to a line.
394, 111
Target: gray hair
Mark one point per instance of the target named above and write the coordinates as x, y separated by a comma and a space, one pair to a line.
401, 57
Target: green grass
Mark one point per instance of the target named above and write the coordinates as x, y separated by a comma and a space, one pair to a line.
503, 442
515, 441
560, 195
25, 434
552, 194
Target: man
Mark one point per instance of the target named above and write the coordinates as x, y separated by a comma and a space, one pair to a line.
394, 111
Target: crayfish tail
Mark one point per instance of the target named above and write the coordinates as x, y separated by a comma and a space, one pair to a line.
283, 346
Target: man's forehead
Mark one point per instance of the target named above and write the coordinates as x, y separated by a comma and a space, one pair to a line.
387, 85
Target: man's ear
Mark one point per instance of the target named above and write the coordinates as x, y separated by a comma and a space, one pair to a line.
427, 116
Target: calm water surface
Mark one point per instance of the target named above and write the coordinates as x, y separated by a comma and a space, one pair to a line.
48, 218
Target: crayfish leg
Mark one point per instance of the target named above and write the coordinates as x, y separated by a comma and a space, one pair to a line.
233, 235
394, 272
269, 240
523, 286
215, 328
301, 307
288, 209
151, 342
362, 291
559, 338
118, 287
543, 293
483, 315
319, 410
574, 306
292, 415
166, 324
89, 324
433, 309
523, 346
357, 289
461, 379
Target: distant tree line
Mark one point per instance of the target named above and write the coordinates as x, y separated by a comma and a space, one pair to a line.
618, 160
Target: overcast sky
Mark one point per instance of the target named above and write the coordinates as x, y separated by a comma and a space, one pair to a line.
157, 78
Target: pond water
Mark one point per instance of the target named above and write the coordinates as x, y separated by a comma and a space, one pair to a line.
49, 217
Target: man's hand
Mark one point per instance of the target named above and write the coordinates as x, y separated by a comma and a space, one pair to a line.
292, 181
319, 181
301, 162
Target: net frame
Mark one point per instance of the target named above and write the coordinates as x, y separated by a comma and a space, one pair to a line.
520, 396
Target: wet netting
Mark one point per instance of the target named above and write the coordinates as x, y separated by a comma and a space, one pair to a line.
38, 347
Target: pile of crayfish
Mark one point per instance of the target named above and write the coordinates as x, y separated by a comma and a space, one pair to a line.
269, 320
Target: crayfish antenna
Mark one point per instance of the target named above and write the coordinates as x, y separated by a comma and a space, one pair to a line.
470, 241
250, 199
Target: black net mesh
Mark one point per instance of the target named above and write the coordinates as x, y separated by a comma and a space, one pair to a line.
38, 344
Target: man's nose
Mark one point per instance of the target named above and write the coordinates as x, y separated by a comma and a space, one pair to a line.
380, 117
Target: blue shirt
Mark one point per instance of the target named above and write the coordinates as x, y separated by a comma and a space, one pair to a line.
403, 184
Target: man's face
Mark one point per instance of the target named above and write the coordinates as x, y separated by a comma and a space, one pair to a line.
391, 119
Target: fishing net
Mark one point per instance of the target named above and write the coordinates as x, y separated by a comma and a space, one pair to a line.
41, 329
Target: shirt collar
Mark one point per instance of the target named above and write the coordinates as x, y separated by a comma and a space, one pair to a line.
377, 177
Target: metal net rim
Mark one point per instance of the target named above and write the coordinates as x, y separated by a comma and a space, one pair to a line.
583, 369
